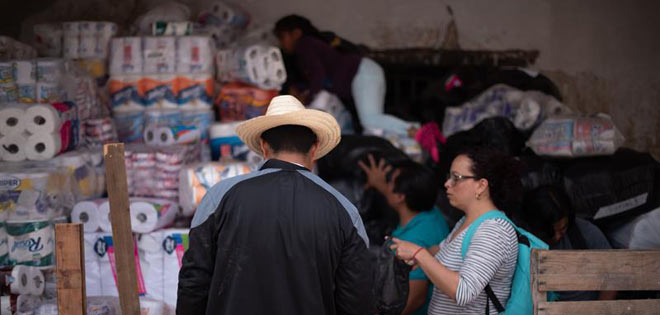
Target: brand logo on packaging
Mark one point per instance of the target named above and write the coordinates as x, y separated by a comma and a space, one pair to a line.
169, 244
32, 245
9, 183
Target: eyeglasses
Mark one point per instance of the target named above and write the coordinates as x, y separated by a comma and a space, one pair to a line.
454, 178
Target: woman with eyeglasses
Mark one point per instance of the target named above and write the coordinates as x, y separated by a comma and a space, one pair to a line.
479, 181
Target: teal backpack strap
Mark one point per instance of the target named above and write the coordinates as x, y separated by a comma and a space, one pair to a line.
493, 214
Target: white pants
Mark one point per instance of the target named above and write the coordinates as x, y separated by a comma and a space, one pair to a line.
368, 89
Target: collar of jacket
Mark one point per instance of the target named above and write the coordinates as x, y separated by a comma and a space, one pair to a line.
275, 163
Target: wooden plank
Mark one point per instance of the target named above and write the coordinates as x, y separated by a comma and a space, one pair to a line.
537, 296
618, 307
70, 264
122, 234
598, 270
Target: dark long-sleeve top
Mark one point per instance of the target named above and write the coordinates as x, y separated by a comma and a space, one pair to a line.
276, 241
326, 68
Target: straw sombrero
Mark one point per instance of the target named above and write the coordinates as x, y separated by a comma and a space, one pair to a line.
287, 110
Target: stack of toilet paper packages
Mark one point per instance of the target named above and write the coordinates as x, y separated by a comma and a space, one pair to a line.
99, 131
147, 214
27, 280
86, 39
32, 81
161, 72
13, 49
196, 180
158, 261
258, 64
37, 132
239, 101
36, 290
154, 171
34, 192
131, 125
224, 22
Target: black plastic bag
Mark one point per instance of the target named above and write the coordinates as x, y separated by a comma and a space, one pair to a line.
390, 281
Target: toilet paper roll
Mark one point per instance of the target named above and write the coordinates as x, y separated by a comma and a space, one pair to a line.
8, 93
20, 278
25, 71
27, 93
49, 70
43, 146
165, 136
12, 120
151, 252
126, 55
87, 39
30, 242
47, 118
148, 215
175, 243
4, 249
13, 148
87, 213
104, 217
6, 73
194, 54
159, 55
36, 281
151, 135
71, 46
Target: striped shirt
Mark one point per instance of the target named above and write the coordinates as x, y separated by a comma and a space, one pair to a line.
491, 258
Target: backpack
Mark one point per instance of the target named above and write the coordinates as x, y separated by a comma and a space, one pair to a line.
520, 299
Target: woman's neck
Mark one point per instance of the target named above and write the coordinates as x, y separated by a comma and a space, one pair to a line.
477, 209
405, 215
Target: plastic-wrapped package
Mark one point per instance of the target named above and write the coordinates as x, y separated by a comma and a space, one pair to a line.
330, 103
238, 101
526, 109
165, 11
256, 64
195, 180
576, 136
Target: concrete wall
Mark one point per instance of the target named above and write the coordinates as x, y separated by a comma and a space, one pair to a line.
603, 54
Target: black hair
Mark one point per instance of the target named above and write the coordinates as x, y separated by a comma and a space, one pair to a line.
503, 174
418, 183
543, 207
292, 22
290, 138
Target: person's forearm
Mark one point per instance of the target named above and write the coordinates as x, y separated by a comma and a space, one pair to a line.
444, 279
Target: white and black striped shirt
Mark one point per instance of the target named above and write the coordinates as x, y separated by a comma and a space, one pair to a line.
490, 259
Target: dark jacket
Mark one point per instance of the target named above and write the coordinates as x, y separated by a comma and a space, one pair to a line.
276, 241
325, 68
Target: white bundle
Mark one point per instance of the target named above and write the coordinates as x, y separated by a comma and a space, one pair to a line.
260, 65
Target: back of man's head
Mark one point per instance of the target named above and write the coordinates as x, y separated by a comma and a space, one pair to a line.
418, 184
290, 138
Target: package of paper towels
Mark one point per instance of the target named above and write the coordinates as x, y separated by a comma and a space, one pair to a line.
148, 215
30, 242
150, 251
175, 243
195, 180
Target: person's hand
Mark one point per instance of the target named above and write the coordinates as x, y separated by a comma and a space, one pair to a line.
405, 251
377, 174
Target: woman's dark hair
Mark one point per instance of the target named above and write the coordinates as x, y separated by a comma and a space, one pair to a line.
290, 138
503, 174
418, 184
292, 22
542, 208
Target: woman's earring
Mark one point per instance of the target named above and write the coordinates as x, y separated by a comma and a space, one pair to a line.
476, 195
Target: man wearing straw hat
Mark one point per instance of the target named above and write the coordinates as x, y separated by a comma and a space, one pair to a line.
279, 240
